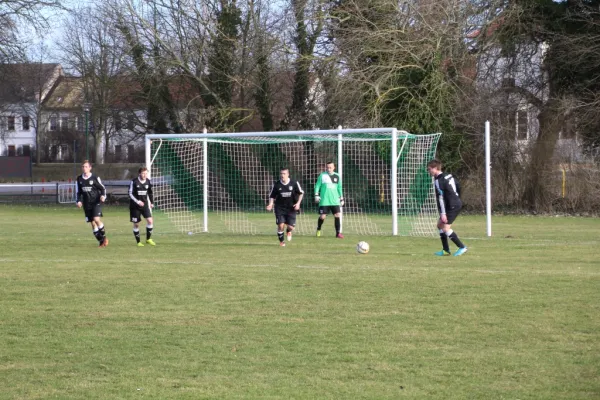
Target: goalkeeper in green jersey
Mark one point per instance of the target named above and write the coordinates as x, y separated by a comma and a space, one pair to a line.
328, 193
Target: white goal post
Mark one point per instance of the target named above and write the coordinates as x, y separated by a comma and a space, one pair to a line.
220, 182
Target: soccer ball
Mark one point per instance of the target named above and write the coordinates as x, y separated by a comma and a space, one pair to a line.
362, 247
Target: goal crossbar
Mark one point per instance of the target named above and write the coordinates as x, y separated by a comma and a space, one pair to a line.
324, 132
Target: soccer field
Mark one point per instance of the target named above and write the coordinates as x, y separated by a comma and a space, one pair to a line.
226, 317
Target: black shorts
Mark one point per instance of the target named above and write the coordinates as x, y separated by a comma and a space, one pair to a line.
451, 214
92, 211
286, 217
324, 210
136, 214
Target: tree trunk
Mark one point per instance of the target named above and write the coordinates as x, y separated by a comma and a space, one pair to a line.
536, 195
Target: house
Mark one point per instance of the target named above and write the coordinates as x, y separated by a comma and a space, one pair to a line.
517, 88
23, 88
43, 108
62, 120
71, 126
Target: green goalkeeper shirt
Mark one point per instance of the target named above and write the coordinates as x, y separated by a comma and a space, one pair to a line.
329, 187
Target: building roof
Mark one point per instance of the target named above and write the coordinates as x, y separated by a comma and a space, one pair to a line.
27, 82
67, 94
487, 31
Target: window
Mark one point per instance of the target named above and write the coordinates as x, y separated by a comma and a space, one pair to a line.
64, 151
505, 121
12, 151
118, 153
64, 123
26, 150
131, 153
522, 125
53, 123
568, 129
25, 122
130, 122
53, 152
11, 123
508, 82
117, 122
80, 123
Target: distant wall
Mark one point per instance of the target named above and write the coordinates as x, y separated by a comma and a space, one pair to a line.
15, 167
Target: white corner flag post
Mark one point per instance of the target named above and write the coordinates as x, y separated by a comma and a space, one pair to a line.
205, 181
148, 159
340, 167
488, 180
394, 181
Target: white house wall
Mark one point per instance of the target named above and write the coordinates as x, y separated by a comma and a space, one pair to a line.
17, 137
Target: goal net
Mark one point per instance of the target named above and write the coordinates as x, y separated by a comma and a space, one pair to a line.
221, 182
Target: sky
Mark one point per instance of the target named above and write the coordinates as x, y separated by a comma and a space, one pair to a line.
43, 45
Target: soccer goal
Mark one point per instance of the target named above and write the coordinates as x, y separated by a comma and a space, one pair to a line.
220, 182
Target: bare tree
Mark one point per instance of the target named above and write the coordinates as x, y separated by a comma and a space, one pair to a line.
542, 56
401, 64
182, 41
93, 50
24, 12
308, 21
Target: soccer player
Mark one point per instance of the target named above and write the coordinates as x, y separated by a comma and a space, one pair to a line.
449, 205
328, 194
141, 201
90, 194
286, 195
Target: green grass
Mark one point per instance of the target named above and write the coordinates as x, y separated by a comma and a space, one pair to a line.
226, 317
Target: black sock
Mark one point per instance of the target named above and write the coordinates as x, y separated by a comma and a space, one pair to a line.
444, 239
319, 223
454, 237
98, 236
102, 232
337, 225
136, 233
149, 231
280, 236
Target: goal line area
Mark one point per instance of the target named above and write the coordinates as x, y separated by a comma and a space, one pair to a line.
220, 182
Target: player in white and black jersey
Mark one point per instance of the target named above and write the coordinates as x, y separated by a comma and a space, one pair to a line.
141, 202
449, 205
286, 195
91, 193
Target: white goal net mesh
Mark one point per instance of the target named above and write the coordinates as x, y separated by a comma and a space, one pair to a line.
234, 176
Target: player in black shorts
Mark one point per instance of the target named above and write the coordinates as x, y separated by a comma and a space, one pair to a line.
91, 193
286, 195
141, 202
447, 190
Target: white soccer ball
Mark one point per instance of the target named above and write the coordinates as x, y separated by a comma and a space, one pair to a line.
190, 233
362, 247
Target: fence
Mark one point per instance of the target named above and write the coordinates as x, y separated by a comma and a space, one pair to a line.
57, 192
